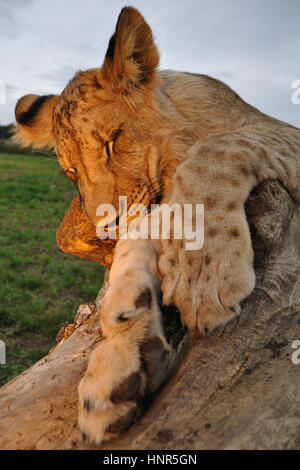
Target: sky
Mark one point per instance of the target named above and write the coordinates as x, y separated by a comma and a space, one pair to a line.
253, 46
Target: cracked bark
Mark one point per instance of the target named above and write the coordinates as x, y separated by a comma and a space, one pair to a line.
237, 389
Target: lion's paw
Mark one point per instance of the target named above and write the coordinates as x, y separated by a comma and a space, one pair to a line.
119, 378
207, 285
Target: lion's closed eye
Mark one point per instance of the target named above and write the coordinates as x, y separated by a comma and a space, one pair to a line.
109, 148
110, 145
71, 173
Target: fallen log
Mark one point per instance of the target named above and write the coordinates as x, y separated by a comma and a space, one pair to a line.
239, 388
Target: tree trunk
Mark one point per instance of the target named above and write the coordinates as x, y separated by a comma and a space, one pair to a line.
237, 389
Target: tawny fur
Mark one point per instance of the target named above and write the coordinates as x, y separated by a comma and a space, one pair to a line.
174, 138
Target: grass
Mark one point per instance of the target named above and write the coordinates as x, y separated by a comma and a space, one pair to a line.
40, 286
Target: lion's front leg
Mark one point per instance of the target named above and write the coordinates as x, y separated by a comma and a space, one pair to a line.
132, 359
208, 284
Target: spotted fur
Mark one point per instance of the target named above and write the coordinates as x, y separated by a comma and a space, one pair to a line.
127, 129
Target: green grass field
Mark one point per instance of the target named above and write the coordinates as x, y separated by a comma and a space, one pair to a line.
40, 286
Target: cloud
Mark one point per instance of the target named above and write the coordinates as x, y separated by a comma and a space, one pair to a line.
8, 16
60, 76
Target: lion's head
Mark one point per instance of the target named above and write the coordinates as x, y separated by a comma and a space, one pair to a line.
103, 126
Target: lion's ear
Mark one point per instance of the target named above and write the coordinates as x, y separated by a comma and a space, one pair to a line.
132, 57
34, 121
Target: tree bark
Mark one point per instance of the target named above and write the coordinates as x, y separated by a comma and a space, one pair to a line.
236, 389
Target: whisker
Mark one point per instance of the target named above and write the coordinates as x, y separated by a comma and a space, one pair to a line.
44, 154
48, 153
153, 193
155, 179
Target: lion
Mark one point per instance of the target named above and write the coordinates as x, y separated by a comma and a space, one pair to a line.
158, 137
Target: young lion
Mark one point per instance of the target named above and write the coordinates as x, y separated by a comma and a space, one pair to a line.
126, 129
